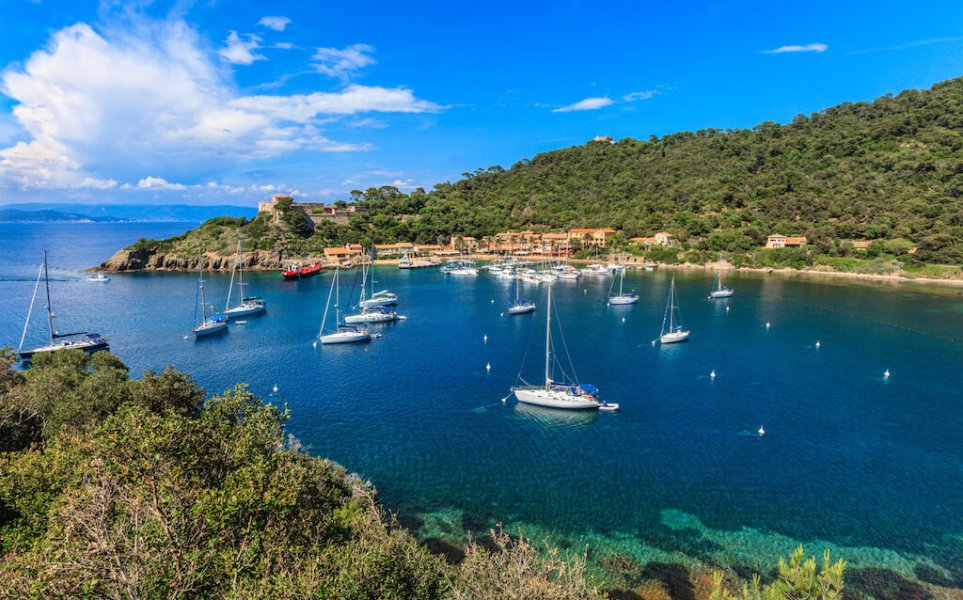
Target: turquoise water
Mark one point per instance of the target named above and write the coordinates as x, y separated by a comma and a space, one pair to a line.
869, 466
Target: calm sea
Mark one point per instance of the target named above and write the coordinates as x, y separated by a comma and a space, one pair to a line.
868, 466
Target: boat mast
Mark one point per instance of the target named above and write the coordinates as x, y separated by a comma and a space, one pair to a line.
230, 286
622, 276
33, 299
240, 271
671, 303
548, 336
200, 281
337, 298
46, 282
328, 303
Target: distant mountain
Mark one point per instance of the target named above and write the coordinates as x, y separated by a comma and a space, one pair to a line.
127, 212
13, 214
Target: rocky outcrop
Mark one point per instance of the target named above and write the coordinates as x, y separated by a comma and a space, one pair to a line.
149, 259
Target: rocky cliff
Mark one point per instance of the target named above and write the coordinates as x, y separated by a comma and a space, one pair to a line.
150, 259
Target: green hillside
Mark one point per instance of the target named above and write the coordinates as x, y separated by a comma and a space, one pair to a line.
889, 170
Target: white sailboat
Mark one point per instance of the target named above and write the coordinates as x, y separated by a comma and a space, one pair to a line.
719, 290
622, 297
552, 394
341, 334
675, 332
519, 306
216, 323
79, 340
249, 305
372, 313
98, 278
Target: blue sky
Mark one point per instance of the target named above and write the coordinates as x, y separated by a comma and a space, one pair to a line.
231, 101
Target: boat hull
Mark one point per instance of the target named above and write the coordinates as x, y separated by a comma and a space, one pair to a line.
345, 337
674, 338
371, 318
244, 311
88, 346
554, 398
301, 272
521, 309
373, 302
210, 328
617, 300
717, 294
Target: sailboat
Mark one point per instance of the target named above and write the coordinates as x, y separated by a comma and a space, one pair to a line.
371, 313
719, 290
519, 306
341, 334
98, 278
552, 394
675, 332
79, 340
249, 305
622, 297
382, 298
216, 323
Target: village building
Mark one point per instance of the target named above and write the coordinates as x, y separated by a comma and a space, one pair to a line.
664, 238
777, 240
340, 253
590, 236
393, 250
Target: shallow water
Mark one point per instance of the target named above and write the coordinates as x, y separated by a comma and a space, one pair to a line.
869, 466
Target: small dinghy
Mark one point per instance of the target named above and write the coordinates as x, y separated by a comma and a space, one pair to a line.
608, 407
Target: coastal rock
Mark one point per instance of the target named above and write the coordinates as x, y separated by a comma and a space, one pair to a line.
150, 259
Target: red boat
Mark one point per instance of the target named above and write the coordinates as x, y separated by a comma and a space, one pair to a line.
300, 272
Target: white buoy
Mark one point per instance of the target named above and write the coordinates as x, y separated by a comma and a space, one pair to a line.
817, 344
314, 344
623, 319
653, 342
767, 324
886, 374
275, 388
713, 374
727, 309
762, 431
493, 301
488, 366
485, 338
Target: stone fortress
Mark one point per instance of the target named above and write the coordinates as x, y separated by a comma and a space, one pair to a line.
314, 212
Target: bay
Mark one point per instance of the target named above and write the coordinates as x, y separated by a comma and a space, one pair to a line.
867, 465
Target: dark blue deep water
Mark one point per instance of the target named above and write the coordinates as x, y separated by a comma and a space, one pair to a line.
870, 467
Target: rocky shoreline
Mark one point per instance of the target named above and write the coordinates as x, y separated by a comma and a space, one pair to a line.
146, 259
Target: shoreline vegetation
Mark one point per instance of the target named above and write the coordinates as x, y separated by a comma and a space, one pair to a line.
111, 487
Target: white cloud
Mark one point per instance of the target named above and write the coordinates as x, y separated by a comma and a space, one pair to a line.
97, 107
342, 63
367, 123
586, 104
275, 23
283, 45
240, 51
644, 95
159, 183
816, 47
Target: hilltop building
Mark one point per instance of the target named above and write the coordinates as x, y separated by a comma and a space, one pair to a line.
314, 212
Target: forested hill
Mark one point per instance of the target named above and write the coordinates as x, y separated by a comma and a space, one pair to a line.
889, 170
892, 168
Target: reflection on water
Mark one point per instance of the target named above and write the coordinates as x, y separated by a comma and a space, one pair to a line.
556, 417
